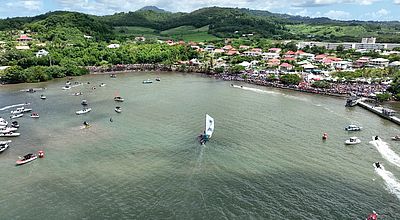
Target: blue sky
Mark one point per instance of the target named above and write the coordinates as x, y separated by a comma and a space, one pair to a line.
336, 9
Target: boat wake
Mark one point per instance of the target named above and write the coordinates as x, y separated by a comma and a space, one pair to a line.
393, 186
13, 106
386, 152
268, 92
254, 89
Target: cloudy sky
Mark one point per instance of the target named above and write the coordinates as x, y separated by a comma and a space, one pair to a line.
336, 9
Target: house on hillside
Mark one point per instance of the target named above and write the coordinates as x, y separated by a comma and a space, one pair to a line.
244, 47
268, 56
22, 47
113, 46
341, 65
273, 62
24, 38
209, 48
219, 50
286, 67
379, 62
87, 37
275, 50
42, 53
140, 39
395, 64
227, 47
232, 52
361, 62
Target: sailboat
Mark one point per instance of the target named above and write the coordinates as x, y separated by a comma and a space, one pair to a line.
208, 131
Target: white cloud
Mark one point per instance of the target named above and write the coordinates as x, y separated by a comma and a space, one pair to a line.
338, 15
30, 5
381, 14
396, 1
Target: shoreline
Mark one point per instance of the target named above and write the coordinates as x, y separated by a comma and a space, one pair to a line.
225, 77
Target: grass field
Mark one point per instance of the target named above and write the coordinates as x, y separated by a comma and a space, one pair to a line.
186, 33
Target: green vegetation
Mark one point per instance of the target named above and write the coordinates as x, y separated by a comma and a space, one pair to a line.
290, 79
383, 97
321, 84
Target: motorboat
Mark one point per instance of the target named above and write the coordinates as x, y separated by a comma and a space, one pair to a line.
352, 141
148, 81
84, 102
7, 130
10, 134
377, 165
113, 76
208, 131
118, 109
68, 83
14, 124
86, 125
26, 159
16, 116
325, 136
118, 99
102, 84
3, 147
35, 115
83, 111
158, 79
353, 128
21, 110
372, 216
396, 138
77, 94
5, 142
3, 122
66, 87
43, 97
31, 90
352, 101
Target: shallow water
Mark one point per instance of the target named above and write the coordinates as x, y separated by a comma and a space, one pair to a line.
266, 159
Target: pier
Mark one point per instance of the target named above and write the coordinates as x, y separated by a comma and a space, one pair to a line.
386, 113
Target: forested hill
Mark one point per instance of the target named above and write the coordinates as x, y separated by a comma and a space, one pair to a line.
220, 22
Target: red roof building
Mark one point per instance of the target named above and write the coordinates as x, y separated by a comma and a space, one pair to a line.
24, 37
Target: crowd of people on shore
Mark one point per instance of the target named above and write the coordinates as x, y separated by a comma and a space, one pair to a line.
334, 89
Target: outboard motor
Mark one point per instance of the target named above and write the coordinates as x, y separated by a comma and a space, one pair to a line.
376, 138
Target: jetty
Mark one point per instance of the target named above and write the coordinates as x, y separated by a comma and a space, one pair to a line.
386, 113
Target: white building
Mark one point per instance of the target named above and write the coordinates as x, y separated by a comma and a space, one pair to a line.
379, 62
42, 53
268, 56
113, 46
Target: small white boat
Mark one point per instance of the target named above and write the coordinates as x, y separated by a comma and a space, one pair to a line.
118, 99
118, 109
11, 134
68, 83
21, 110
102, 84
353, 128
113, 76
7, 130
5, 142
3, 147
83, 111
67, 87
14, 124
16, 116
77, 94
353, 141
35, 115
148, 81
26, 159
396, 138
158, 79
3, 122
84, 102
43, 97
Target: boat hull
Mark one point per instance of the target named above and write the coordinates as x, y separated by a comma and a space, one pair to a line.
22, 162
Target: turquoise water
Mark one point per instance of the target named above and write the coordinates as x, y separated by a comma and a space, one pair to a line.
266, 159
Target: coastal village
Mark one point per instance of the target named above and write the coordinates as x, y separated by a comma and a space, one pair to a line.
362, 68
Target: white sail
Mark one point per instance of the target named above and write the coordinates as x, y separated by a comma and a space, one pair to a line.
209, 126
